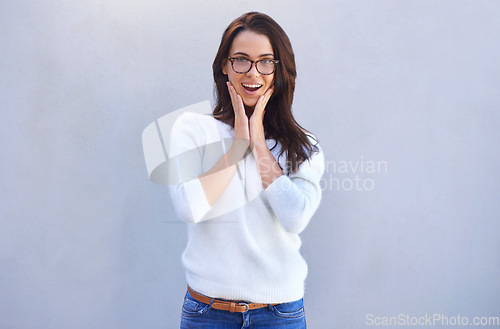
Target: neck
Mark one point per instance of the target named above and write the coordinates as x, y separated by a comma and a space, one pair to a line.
249, 110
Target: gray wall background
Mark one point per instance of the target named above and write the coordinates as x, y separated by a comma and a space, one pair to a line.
86, 241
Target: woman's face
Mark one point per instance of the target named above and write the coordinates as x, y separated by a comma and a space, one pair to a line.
251, 85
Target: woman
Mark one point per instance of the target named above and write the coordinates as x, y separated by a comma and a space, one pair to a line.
246, 203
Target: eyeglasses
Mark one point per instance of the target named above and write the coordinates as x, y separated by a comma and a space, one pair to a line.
244, 65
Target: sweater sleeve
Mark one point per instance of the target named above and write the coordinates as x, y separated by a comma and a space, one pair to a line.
187, 145
295, 198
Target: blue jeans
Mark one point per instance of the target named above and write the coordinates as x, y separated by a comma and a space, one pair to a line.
197, 315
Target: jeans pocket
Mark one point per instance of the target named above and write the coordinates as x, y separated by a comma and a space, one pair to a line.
289, 310
192, 307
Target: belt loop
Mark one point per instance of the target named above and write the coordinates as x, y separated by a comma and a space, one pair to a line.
211, 301
231, 307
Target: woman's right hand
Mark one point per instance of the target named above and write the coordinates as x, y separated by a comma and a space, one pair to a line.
217, 179
241, 128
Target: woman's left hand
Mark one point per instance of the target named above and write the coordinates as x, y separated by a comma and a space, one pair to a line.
257, 134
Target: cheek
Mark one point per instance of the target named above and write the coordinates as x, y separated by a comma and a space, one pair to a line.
270, 80
269, 83
233, 78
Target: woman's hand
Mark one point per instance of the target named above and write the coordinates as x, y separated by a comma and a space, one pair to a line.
216, 180
257, 133
241, 130
253, 130
268, 168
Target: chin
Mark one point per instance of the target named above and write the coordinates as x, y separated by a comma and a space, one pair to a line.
250, 104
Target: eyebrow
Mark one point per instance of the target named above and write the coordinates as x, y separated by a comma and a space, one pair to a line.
244, 54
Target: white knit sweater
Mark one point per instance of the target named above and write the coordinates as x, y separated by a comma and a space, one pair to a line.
246, 246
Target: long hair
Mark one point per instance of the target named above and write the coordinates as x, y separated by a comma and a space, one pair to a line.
279, 122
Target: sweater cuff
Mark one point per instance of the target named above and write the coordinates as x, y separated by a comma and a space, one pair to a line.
197, 200
276, 189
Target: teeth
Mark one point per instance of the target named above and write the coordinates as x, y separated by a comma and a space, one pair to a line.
251, 85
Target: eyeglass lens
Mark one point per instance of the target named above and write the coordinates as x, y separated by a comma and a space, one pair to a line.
243, 65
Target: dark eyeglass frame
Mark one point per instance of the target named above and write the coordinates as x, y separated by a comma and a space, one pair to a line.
274, 61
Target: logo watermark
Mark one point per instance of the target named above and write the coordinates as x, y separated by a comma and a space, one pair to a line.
352, 175
436, 319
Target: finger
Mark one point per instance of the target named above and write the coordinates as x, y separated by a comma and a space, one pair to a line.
262, 102
232, 93
237, 102
267, 95
269, 92
231, 90
236, 99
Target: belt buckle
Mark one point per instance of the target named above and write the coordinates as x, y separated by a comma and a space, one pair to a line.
246, 305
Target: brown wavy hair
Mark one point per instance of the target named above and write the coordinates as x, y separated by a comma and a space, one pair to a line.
279, 122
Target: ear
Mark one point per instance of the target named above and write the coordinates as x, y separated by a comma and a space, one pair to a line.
224, 67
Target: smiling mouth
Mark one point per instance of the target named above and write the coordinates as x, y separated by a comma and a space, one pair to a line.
251, 86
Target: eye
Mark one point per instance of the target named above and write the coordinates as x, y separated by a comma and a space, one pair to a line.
267, 61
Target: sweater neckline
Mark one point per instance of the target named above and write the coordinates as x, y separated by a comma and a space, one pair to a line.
229, 127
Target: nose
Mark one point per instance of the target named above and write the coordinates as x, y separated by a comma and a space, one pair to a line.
253, 70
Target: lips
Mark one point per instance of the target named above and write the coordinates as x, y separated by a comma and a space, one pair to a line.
251, 86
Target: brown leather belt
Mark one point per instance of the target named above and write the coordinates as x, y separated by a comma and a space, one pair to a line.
224, 305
